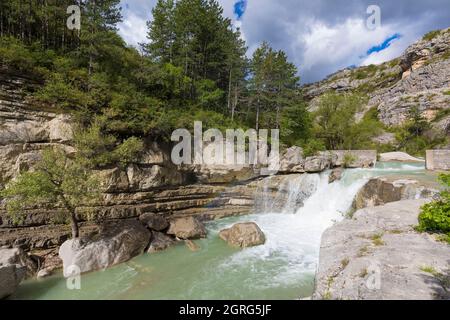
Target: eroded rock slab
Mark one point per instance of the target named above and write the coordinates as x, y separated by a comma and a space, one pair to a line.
378, 255
382, 190
160, 242
398, 156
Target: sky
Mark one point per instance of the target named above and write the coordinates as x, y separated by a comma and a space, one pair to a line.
319, 36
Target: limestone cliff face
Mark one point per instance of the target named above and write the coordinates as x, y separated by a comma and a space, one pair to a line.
420, 77
153, 184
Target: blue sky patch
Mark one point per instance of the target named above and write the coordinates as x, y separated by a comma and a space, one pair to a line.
386, 43
239, 8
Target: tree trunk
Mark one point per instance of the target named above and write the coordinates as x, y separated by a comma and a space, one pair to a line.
257, 116
229, 91
74, 225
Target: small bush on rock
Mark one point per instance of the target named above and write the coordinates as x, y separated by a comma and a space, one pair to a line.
435, 216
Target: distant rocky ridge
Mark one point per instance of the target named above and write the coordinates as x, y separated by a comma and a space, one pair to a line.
420, 77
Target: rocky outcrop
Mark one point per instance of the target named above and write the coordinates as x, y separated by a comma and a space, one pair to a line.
115, 243
15, 265
382, 190
335, 175
398, 156
154, 221
17, 256
292, 160
160, 242
378, 255
187, 228
419, 78
246, 234
10, 278
352, 158
438, 159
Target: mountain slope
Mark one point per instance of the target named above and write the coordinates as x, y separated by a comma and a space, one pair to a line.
419, 78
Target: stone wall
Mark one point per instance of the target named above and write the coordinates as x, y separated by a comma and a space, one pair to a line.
438, 159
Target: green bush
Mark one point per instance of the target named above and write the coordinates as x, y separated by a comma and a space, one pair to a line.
431, 35
435, 216
312, 147
348, 160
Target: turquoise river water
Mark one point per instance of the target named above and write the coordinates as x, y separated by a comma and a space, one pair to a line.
282, 268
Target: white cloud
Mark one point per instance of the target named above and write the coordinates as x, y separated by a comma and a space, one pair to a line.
340, 45
319, 36
133, 29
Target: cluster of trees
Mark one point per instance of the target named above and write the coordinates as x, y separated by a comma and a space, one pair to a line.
194, 66
193, 36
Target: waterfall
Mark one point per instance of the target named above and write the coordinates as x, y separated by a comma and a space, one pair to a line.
284, 194
293, 230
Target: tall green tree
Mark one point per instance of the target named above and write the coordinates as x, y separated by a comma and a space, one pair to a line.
193, 35
273, 86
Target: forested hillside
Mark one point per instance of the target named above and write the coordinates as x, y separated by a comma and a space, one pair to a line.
192, 67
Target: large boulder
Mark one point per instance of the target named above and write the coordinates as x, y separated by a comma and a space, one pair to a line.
378, 255
187, 228
335, 175
60, 128
160, 242
145, 178
154, 221
17, 256
291, 160
10, 278
317, 163
243, 235
382, 190
114, 244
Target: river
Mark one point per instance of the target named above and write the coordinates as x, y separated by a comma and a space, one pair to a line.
282, 268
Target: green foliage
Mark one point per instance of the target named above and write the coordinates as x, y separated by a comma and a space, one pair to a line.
98, 149
295, 124
193, 66
56, 179
416, 134
336, 125
435, 216
128, 151
364, 72
431, 35
348, 160
312, 147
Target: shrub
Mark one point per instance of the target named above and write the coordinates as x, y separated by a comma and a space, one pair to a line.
348, 160
431, 35
312, 147
435, 216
